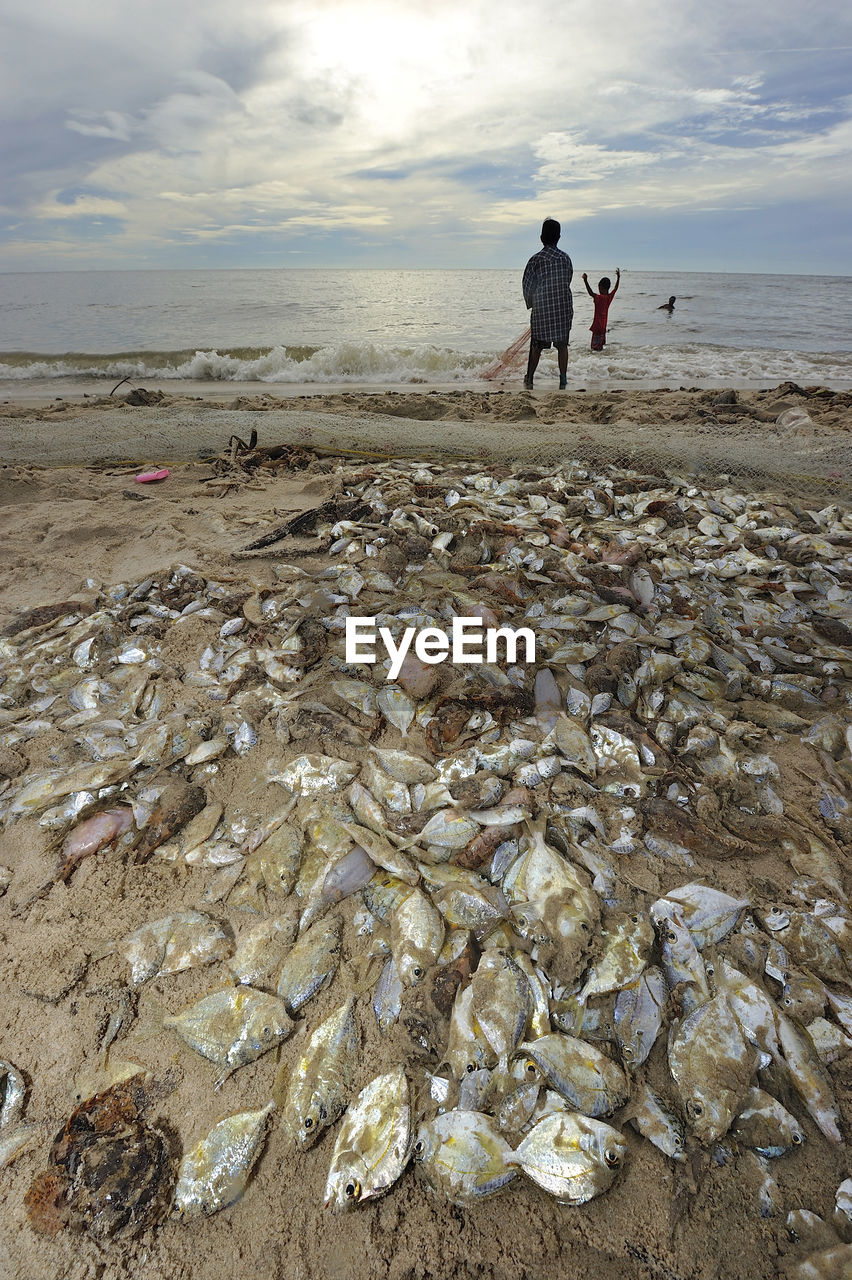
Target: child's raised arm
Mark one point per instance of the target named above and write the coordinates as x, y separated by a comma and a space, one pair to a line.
589, 290
617, 281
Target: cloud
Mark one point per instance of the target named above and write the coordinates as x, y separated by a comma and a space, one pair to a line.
82, 206
415, 123
113, 124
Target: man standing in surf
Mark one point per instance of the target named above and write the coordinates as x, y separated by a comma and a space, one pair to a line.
547, 291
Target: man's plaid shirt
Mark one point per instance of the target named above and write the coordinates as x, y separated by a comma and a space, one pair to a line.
547, 289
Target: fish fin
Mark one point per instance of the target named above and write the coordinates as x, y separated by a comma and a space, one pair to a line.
100, 948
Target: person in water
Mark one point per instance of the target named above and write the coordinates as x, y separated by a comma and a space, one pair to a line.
602, 301
668, 306
547, 292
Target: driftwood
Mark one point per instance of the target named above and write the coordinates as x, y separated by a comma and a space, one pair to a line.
304, 521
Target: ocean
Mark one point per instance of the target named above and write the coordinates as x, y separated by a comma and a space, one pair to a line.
304, 329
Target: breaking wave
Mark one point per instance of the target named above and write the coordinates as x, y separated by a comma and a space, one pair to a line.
365, 363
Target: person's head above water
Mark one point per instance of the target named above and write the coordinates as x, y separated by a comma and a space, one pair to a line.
603, 284
550, 231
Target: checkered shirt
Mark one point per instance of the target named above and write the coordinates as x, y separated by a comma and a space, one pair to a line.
547, 290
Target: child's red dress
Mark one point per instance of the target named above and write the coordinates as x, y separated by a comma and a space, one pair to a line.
598, 325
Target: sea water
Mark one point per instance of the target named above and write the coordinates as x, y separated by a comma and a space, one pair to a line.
373, 328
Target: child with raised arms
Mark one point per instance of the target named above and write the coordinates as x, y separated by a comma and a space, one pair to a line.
602, 301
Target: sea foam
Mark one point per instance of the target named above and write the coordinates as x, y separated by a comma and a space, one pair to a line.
366, 363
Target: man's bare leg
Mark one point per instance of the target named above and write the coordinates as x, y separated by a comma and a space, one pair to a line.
532, 364
562, 357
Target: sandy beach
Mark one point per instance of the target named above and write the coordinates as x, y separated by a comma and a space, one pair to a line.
72, 521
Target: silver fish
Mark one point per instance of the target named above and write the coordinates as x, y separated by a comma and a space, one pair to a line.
766, 1126
216, 1171
573, 1157
501, 1002
416, 936
232, 1027
172, 944
627, 949
810, 1078
311, 774
314, 1093
639, 1013
373, 1142
260, 953
387, 996
649, 1116
712, 1064
586, 1077
463, 1155
708, 914
311, 964
14, 1096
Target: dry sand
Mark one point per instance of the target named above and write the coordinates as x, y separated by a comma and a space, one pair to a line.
69, 510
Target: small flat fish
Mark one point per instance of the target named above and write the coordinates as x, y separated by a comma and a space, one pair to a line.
261, 952
416, 936
501, 1003
639, 1013
383, 853
232, 1027
681, 960
467, 1049
649, 1115
174, 943
373, 1142
708, 914
810, 1078
311, 964
308, 775
315, 1092
586, 1077
396, 707
216, 1171
712, 1064
463, 1155
627, 949
572, 1157
766, 1126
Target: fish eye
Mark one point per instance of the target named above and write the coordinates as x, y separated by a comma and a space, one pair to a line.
694, 1108
635, 919
531, 1068
627, 1052
709, 969
584, 926
798, 1139
788, 1000
417, 971
470, 1068
677, 1141
612, 1158
309, 1124
266, 1032
418, 1147
351, 1189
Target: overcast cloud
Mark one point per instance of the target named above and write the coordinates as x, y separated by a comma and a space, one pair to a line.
267, 133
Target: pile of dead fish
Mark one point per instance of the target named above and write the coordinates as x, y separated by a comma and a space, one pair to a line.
545, 868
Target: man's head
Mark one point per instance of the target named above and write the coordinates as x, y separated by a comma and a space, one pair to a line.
550, 231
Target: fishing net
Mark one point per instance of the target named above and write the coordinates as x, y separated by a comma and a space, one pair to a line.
511, 358
788, 436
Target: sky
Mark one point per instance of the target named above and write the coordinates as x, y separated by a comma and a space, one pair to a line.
711, 136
